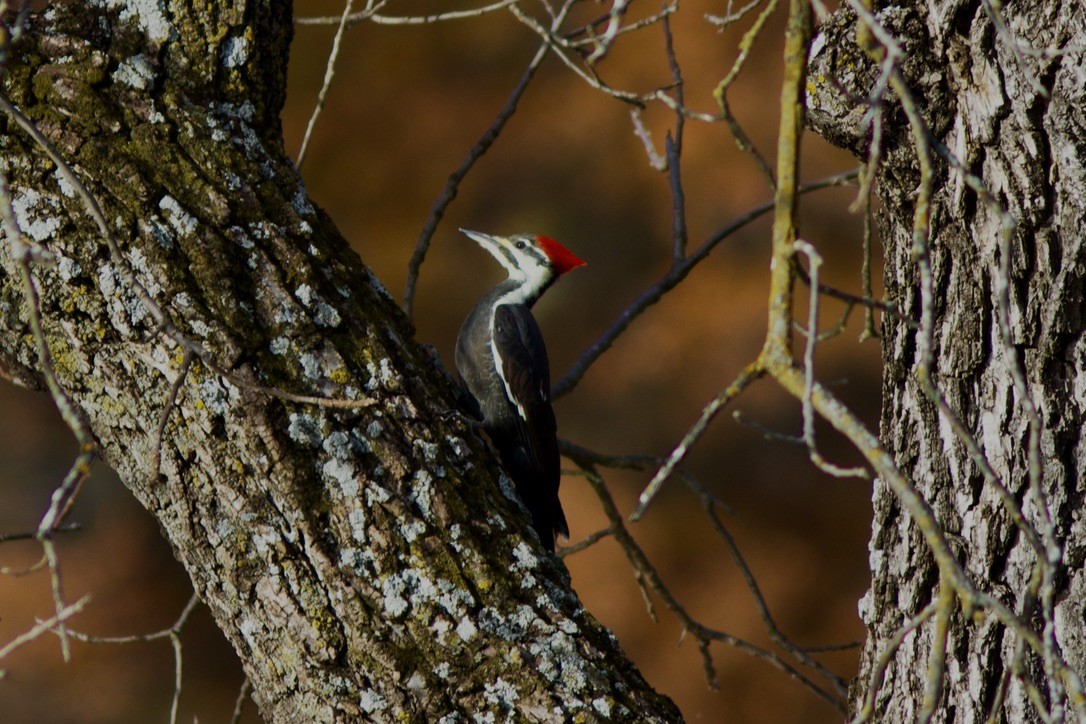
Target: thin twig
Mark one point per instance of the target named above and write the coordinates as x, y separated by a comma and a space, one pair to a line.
33, 535
239, 703
802, 655
674, 149
437, 210
329, 73
750, 373
671, 279
814, 264
171, 403
703, 634
42, 628
378, 19
614, 22
878, 671
173, 633
657, 161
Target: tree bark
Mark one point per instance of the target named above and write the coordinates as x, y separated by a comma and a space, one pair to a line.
364, 562
984, 102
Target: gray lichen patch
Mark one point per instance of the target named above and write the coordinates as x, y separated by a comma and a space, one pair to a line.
151, 16
182, 222
136, 72
235, 51
37, 215
324, 314
343, 551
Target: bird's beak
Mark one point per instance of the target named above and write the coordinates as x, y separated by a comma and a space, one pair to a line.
488, 242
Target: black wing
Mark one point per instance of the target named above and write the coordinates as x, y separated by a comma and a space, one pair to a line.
526, 375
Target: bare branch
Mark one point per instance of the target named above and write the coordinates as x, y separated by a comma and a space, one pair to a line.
657, 161
614, 22
42, 628
243, 694
329, 73
814, 264
751, 373
878, 672
702, 634
378, 19
437, 211
670, 280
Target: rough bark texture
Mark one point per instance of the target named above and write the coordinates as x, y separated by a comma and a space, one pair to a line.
365, 563
1030, 151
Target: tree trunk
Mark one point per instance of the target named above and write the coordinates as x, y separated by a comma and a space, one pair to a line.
984, 102
361, 559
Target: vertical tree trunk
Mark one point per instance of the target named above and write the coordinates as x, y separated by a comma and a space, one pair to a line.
356, 554
983, 99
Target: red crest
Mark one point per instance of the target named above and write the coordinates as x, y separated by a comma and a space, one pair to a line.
562, 258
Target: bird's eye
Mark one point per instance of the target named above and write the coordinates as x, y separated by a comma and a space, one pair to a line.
520, 244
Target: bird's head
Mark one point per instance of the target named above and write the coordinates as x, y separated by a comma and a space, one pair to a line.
537, 260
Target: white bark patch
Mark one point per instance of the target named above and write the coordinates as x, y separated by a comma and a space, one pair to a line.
466, 629
324, 314
525, 558
36, 219
181, 221
67, 268
981, 98
65, 186
244, 112
356, 519
371, 701
441, 627
376, 495
233, 181
216, 397
381, 375
248, 628
317, 365
338, 445
279, 346
422, 493
301, 203
158, 231
135, 72
864, 608
344, 474
122, 307
500, 693
392, 590
150, 15
429, 450
235, 52
411, 531
602, 706
416, 683
311, 365
147, 276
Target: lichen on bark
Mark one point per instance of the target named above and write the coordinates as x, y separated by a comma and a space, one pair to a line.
363, 561
1005, 116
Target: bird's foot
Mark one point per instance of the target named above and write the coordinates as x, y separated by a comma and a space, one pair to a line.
464, 418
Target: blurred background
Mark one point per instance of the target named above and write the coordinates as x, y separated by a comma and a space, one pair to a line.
406, 105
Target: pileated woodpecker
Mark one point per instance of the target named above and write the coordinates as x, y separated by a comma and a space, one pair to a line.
503, 366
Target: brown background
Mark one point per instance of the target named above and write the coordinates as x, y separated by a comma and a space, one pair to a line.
406, 105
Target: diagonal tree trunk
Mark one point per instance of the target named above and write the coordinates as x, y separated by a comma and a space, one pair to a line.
362, 558
1015, 120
